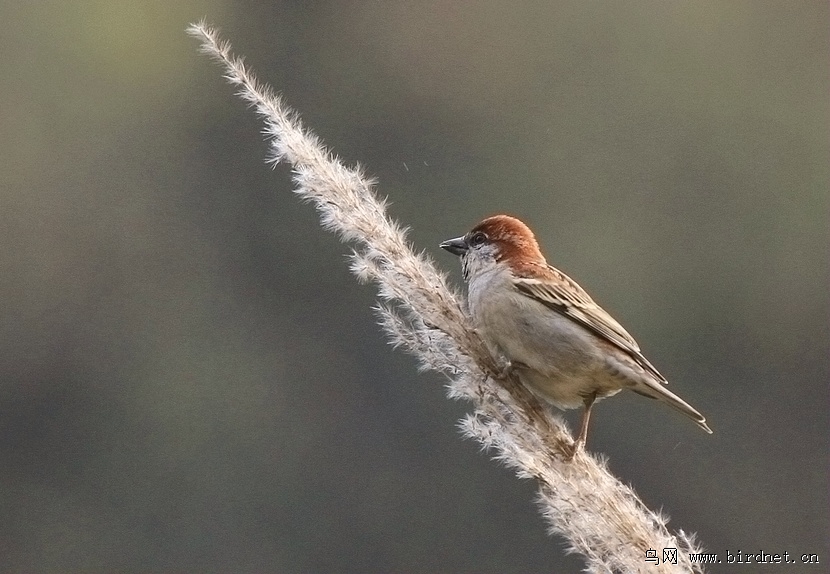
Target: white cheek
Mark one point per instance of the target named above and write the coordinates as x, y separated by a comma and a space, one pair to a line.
477, 262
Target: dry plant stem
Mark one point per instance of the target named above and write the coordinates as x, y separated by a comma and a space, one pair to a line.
599, 517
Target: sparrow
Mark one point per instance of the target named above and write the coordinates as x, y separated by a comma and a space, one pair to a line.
562, 346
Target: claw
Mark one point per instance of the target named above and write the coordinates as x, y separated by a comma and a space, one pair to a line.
506, 370
577, 447
509, 368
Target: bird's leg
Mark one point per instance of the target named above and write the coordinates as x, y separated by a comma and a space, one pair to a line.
579, 444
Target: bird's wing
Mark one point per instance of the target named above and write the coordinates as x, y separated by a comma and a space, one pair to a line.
562, 294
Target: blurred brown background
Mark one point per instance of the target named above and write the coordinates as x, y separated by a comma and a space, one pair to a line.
190, 379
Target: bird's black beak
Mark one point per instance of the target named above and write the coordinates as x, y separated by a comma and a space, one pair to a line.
457, 246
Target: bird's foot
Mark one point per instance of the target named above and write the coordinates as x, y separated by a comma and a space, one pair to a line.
508, 368
577, 447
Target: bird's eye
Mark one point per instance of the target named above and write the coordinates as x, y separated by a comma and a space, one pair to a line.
477, 239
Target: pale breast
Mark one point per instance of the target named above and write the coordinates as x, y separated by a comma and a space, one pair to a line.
563, 360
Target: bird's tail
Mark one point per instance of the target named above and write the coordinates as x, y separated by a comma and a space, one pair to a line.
655, 390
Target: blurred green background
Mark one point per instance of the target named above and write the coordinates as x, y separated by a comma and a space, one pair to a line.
190, 379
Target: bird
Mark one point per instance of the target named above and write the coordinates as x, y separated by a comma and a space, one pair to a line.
562, 345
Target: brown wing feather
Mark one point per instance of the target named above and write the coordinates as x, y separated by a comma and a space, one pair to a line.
565, 296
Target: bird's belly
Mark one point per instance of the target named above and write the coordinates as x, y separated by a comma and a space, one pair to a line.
555, 357
565, 390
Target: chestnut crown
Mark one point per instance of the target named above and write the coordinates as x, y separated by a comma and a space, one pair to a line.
506, 236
